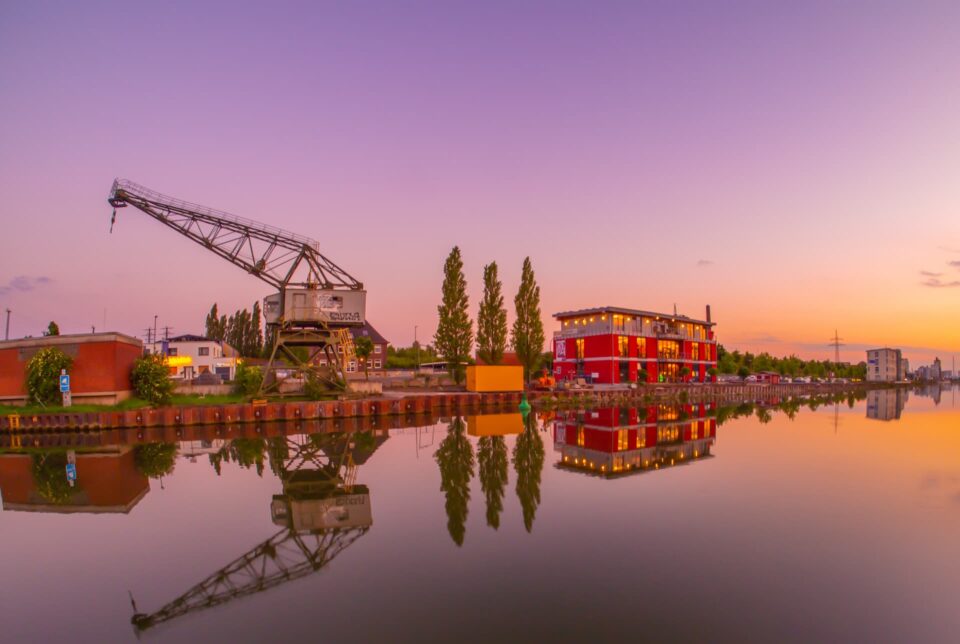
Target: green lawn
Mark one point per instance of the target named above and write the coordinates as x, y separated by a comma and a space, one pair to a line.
132, 403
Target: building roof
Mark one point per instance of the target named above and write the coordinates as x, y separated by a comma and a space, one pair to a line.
189, 337
76, 338
633, 312
367, 330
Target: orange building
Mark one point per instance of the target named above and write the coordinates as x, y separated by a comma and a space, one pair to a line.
100, 372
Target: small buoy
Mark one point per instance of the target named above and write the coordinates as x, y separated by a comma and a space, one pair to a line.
524, 404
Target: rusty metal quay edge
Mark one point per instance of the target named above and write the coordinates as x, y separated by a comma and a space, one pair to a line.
444, 403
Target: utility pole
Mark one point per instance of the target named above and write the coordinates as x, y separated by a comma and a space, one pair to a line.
836, 343
6, 335
155, 329
417, 345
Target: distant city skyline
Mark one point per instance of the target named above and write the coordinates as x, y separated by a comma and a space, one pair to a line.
792, 166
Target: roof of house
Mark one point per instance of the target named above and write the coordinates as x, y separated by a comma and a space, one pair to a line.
189, 337
368, 331
633, 312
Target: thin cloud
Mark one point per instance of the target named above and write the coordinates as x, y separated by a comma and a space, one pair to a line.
954, 263
704, 262
24, 283
936, 282
931, 274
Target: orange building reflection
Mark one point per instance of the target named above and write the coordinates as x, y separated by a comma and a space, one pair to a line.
617, 441
108, 481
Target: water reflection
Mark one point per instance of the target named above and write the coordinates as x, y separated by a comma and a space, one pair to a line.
528, 457
616, 441
886, 404
455, 458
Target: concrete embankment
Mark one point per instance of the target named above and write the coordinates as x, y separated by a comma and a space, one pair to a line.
443, 403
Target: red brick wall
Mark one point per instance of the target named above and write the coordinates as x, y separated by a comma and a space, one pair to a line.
97, 367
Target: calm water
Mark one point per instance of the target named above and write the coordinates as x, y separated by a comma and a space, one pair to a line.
682, 523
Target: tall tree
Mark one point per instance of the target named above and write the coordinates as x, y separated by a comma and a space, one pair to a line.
528, 336
454, 336
52, 329
256, 324
492, 318
528, 457
216, 325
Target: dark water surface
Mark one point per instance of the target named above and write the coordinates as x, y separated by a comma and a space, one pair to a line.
840, 523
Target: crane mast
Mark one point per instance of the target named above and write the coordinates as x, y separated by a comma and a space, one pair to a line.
316, 300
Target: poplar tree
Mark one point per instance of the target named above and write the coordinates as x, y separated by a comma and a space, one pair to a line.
454, 336
492, 318
528, 334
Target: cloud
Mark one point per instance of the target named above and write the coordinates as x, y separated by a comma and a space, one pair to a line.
704, 262
936, 282
955, 263
24, 283
930, 274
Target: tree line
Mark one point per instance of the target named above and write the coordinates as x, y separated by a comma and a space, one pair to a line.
243, 330
743, 364
454, 338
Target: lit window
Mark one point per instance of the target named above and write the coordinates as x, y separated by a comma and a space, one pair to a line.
579, 342
641, 347
622, 440
580, 437
623, 346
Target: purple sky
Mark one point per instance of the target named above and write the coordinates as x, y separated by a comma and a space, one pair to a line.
794, 166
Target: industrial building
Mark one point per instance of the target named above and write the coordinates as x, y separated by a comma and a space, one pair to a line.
612, 345
101, 366
885, 365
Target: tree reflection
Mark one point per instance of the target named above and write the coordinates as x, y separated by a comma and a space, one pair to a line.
50, 477
493, 475
528, 457
455, 457
155, 460
245, 452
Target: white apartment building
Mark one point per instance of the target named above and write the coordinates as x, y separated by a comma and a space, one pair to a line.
189, 356
884, 365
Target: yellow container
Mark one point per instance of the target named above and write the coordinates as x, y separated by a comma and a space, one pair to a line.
494, 378
494, 424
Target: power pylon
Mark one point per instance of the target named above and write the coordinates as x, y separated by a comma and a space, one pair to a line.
836, 343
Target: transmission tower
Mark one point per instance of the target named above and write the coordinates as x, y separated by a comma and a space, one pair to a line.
836, 343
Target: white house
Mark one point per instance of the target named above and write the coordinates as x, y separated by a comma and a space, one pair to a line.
189, 356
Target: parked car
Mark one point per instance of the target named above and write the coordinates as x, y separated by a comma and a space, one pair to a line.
750, 378
785, 380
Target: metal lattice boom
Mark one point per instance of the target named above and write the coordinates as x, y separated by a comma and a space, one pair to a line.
276, 256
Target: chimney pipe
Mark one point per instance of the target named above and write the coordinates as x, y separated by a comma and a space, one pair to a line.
708, 314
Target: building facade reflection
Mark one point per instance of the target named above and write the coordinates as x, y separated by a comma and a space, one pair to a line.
616, 441
886, 404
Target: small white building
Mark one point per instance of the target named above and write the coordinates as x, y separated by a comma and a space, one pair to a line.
190, 356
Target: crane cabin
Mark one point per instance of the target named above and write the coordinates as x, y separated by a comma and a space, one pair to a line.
303, 307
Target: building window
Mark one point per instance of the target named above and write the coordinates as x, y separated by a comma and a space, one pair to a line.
580, 437
695, 351
579, 348
376, 348
203, 351
622, 440
642, 347
376, 364
618, 322
668, 349
623, 346
172, 351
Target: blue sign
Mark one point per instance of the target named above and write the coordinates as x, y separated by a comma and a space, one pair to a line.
64, 383
72, 472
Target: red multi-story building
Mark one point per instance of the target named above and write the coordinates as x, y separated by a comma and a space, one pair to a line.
613, 441
613, 345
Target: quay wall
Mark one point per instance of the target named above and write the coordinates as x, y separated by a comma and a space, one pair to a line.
442, 403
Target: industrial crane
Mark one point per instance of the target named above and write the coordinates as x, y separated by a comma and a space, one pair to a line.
316, 301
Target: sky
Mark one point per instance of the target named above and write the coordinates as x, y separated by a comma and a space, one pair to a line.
794, 165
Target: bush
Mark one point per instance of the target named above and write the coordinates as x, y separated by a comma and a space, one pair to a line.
712, 372
43, 375
151, 379
248, 379
643, 376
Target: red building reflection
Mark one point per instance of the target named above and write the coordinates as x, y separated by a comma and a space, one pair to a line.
614, 441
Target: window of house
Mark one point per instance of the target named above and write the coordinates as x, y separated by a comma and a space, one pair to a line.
622, 439
641, 347
376, 364
695, 351
579, 348
623, 346
203, 351
172, 351
376, 348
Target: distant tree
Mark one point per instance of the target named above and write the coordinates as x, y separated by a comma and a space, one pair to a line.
52, 329
528, 335
247, 379
743, 372
216, 325
43, 375
364, 348
155, 460
256, 331
492, 318
454, 336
